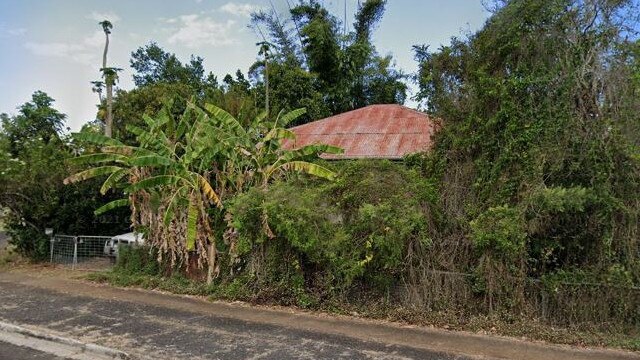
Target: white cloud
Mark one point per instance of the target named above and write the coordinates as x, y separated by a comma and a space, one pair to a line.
11, 32
85, 51
196, 30
60, 50
96, 39
100, 16
239, 9
136, 37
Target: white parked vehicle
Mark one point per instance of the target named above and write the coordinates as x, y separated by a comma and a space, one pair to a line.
132, 238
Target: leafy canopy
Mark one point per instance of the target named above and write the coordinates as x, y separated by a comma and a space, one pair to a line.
186, 166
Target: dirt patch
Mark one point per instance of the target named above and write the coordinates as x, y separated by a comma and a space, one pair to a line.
4, 240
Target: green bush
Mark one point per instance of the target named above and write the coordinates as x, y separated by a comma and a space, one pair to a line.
354, 231
138, 260
499, 230
35, 157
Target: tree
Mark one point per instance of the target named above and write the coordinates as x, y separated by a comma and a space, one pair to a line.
34, 154
264, 50
187, 164
153, 65
131, 106
344, 69
237, 96
98, 87
37, 119
109, 75
532, 156
158, 69
161, 77
294, 88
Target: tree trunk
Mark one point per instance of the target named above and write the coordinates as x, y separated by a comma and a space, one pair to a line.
109, 121
212, 262
266, 81
108, 79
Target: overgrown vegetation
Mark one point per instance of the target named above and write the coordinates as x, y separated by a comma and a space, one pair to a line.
537, 171
526, 213
34, 155
137, 267
325, 239
331, 238
185, 169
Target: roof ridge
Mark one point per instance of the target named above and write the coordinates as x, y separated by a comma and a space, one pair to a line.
363, 133
344, 114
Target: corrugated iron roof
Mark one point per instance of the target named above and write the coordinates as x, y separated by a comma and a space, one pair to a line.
376, 131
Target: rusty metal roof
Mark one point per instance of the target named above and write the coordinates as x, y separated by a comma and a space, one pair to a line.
375, 131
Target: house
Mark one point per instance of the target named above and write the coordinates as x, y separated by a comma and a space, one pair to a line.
373, 132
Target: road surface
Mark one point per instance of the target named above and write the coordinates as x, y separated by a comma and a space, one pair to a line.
155, 332
13, 352
154, 325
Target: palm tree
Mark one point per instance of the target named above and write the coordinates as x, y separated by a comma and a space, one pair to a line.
97, 88
109, 76
188, 166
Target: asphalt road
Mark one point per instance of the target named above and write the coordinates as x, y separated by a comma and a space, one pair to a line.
155, 332
12, 352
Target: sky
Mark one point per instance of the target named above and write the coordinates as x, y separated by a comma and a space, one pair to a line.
56, 46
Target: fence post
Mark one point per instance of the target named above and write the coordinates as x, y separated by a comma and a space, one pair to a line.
51, 248
75, 253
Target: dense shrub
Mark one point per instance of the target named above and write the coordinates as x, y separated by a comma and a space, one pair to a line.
536, 163
34, 160
139, 260
354, 232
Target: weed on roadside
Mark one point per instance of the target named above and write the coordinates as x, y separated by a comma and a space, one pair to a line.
522, 328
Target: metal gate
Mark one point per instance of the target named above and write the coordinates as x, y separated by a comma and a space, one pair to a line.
81, 252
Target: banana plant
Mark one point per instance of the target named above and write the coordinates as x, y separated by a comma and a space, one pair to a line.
187, 165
